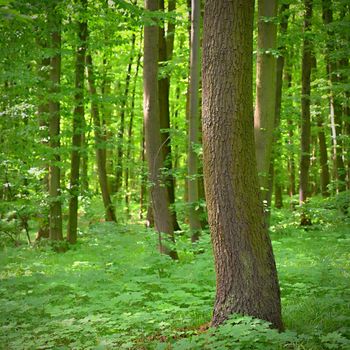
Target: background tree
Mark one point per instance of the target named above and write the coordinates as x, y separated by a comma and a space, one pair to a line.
54, 125
78, 123
193, 121
159, 194
264, 116
305, 104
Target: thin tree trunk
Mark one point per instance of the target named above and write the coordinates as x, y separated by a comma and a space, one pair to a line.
54, 129
305, 105
275, 173
246, 277
164, 113
291, 161
159, 193
130, 133
78, 125
335, 104
99, 144
120, 147
323, 156
264, 116
193, 197
43, 113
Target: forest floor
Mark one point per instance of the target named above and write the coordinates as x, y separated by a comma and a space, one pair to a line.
113, 290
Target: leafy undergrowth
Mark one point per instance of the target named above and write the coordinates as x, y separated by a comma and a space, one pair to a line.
114, 291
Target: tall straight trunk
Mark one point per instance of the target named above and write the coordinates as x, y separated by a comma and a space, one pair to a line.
130, 133
335, 105
164, 56
305, 105
43, 116
99, 147
193, 119
120, 147
246, 277
55, 217
323, 156
78, 127
275, 172
291, 160
84, 161
264, 116
159, 193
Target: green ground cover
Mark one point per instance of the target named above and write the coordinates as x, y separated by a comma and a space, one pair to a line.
114, 291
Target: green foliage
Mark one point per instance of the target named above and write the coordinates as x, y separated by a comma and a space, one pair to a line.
115, 291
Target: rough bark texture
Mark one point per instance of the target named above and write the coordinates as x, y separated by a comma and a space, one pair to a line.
245, 268
193, 121
305, 105
99, 141
264, 116
78, 128
159, 194
54, 129
165, 55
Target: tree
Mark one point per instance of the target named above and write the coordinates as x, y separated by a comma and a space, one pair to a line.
264, 116
245, 268
99, 140
335, 104
166, 44
159, 194
193, 120
78, 124
305, 104
54, 126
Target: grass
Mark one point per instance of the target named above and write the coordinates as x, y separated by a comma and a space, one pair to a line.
114, 291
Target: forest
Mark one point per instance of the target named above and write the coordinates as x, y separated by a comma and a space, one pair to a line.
175, 174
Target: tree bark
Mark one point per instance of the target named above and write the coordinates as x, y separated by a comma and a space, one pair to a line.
323, 157
264, 116
246, 277
193, 120
78, 126
305, 105
54, 128
99, 144
159, 193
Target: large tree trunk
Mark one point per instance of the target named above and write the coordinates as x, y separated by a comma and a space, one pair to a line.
78, 128
193, 119
54, 128
159, 193
245, 268
264, 116
99, 141
164, 55
305, 105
